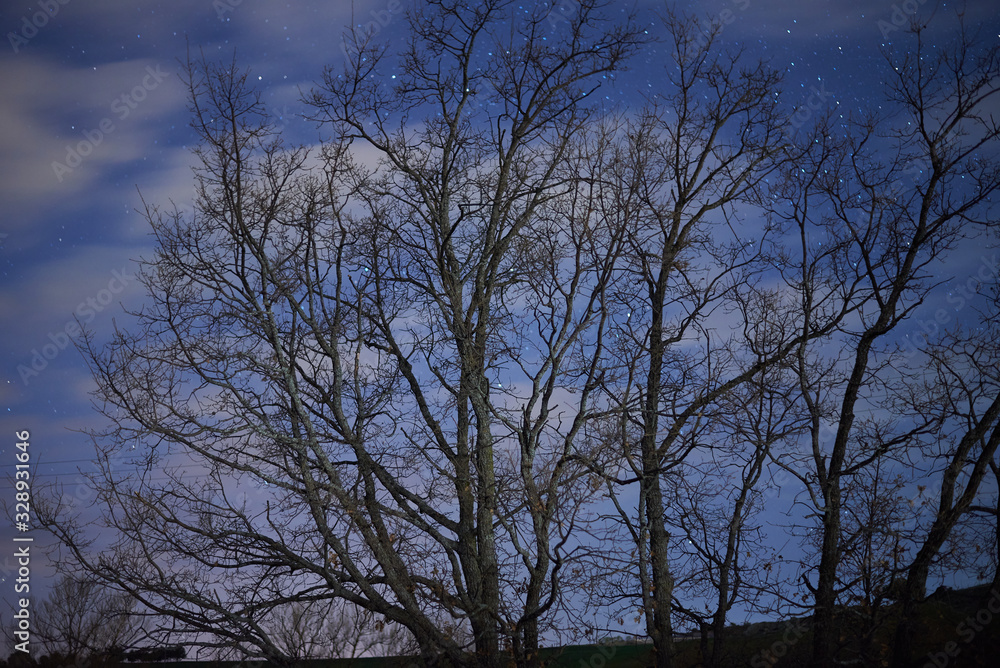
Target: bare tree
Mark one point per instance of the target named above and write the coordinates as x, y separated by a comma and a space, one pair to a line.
490, 233
994, 510
967, 383
82, 618
706, 147
873, 547
389, 375
989, 535
331, 628
397, 355
874, 232
721, 558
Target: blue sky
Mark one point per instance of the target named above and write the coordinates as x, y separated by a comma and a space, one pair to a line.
93, 112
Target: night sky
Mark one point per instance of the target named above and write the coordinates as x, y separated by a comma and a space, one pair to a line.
94, 112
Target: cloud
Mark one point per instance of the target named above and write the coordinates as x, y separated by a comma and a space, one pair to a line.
51, 292
66, 127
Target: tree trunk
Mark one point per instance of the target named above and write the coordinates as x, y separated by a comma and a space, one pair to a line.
663, 582
659, 539
718, 638
825, 638
484, 622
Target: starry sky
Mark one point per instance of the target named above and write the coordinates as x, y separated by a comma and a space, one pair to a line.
93, 117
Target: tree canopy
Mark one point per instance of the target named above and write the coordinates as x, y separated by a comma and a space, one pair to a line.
494, 355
